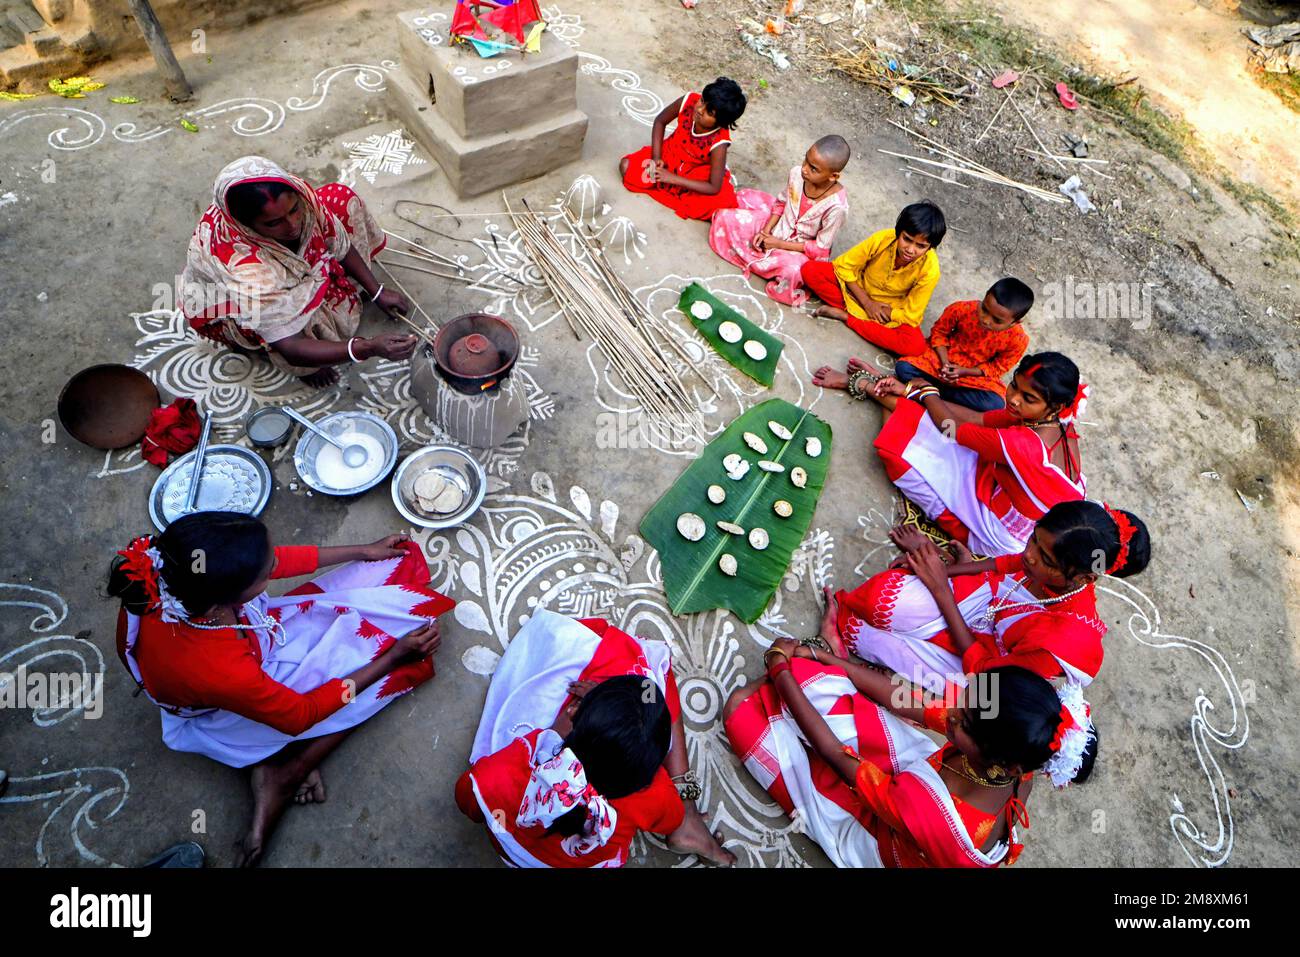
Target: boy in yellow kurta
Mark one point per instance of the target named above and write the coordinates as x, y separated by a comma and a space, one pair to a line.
881, 286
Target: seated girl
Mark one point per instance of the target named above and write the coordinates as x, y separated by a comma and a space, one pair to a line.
882, 286
687, 172
276, 683
773, 237
1036, 610
985, 478
273, 268
580, 746
831, 742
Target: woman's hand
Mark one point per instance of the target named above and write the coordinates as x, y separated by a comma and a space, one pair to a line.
384, 549
927, 564
759, 242
579, 689
961, 555
889, 386
788, 647
393, 303
420, 643
392, 345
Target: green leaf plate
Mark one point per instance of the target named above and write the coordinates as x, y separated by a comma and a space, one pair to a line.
763, 370
692, 579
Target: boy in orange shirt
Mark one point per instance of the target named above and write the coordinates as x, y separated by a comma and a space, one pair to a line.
973, 345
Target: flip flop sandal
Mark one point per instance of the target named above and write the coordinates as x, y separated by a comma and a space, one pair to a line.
1067, 97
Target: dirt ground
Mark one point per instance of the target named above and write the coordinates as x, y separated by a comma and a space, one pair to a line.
1190, 427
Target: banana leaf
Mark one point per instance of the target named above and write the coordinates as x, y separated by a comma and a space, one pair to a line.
692, 579
762, 371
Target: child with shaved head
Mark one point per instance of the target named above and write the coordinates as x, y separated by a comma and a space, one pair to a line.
774, 236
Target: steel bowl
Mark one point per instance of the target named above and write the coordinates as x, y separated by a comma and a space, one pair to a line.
108, 406
268, 427
235, 479
310, 446
454, 464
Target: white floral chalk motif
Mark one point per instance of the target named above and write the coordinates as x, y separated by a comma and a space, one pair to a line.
389, 152
78, 801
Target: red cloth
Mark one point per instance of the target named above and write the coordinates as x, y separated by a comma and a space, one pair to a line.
172, 430
685, 154
222, 668
819, 277
503, 777
972, 346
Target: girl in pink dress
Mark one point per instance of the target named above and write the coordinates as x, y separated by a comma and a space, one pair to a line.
773, 236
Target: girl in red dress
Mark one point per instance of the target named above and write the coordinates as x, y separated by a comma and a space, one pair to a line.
581, 746
272, 682
687, 172
985, 478
1037, 610
836, 745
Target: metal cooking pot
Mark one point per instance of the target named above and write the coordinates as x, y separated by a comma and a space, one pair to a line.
475, 352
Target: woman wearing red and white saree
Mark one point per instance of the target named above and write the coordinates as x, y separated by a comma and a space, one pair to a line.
835, 745
274, 266
938, 624
580, 747
985, 477
273, 682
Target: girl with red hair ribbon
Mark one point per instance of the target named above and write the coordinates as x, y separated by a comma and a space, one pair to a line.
985, 478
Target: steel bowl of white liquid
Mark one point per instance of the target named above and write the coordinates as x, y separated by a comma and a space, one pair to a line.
321, 464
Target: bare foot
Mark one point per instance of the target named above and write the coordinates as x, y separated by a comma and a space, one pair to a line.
321, 378
830, 629
693, 837
830, 312
858, 365
272, 786
312, 789
829, 377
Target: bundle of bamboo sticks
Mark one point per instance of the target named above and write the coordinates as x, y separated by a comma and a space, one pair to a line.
966, 165
595, 301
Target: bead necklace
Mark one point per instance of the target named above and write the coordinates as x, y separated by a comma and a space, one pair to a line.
269, 624
990, 613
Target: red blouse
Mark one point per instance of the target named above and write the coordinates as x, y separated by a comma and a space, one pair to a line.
222, 668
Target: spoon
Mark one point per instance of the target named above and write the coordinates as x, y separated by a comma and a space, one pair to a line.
197, 475
354, 456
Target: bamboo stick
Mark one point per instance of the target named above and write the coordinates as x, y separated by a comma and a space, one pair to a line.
468, 280
398, 283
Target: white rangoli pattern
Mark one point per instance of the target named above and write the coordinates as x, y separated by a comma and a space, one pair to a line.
389, 152
77, 801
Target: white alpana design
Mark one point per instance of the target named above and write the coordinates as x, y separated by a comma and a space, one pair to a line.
582, 557
248, 116
389, 152
71, 804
